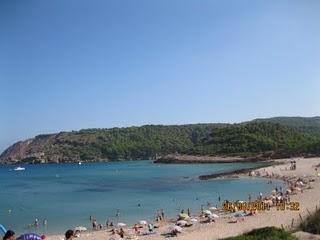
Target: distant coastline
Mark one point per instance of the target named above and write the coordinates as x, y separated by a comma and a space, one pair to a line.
256, 140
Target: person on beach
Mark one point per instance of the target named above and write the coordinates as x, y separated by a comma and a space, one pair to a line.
113, 231
94, 224
136, 229
121, 233
150, 227
69, 234
9, 235
162, 214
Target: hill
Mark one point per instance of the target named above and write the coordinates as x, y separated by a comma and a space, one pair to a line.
275, 137
304, 124
145, 142
254, 138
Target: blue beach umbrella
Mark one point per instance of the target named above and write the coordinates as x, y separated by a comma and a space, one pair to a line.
240, 214
29, 236
3, 229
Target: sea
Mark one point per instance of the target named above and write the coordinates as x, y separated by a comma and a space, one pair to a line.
66, 195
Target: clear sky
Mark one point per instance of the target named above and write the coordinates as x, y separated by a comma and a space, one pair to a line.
72, 64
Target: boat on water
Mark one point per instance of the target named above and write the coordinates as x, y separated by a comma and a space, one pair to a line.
79, 163
19, 169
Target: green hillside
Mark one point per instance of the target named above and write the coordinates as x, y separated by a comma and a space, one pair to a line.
256, 137
275, 137
130, 143
304, 124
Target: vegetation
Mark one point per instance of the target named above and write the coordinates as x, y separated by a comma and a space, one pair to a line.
303, 124
255, 138
144, 142
276, 137
312, 223
267, 233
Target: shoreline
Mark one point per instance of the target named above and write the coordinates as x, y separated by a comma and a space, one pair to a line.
308, 200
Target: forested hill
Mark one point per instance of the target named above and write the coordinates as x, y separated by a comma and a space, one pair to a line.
270, 137
304, 124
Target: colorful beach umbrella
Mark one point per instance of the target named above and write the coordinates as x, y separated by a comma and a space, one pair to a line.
183, 216
181, 223
80, 228
121, 224
143, 222
193, 220
207, 212
3, 229
29, 236
239, 214
214, 215
175, 228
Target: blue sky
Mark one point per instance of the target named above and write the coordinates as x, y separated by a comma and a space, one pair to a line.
72, 64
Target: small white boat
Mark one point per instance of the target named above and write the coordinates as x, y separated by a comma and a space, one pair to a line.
19, 169
79, 163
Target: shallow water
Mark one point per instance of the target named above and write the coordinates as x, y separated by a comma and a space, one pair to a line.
67, 194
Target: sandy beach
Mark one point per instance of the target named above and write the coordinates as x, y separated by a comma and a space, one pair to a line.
308, 199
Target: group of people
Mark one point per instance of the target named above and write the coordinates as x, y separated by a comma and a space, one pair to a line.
160, 215
293, 165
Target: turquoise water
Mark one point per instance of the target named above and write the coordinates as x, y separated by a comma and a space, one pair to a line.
67, 194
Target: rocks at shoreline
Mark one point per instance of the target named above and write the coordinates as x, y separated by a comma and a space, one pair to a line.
234, 173
183, 159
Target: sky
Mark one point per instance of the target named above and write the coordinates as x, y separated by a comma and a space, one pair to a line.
72, 64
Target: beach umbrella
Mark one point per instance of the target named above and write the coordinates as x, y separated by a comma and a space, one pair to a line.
267, 202
207, 212
300, 183
193, 220
121, 224
3, 229
29, 236
80, 228
214, 215
239, 214
182, 223
143, 222
175, 228
183, 216
213, 208
297, 189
